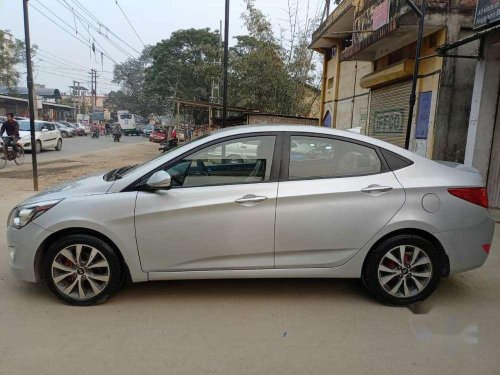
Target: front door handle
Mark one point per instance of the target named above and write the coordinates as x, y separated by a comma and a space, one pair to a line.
250, 199
374, 189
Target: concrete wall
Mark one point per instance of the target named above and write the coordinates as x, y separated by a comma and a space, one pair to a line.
455, 94
484, 106
350, 107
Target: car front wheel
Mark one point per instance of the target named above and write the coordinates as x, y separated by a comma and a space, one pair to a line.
82, 270
38, 147
402, 270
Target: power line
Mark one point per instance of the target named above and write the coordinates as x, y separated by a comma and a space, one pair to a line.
68, 32
81, 18
130, 23
92, 16
60, 60
77, 78
76, 31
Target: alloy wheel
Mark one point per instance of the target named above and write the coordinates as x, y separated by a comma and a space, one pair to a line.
80, 271
405, 271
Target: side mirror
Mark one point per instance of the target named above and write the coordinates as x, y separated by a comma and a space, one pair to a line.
160, 180
45, 130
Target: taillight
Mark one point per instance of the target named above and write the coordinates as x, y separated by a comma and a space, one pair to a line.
476, 195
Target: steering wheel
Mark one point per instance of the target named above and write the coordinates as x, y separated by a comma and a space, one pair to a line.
201, 167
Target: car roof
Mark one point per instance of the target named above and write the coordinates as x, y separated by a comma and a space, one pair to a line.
243, 129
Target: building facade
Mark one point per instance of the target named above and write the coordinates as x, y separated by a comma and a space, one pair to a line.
482, 149
369, 55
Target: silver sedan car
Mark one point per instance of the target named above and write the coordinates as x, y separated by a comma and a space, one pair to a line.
296, 201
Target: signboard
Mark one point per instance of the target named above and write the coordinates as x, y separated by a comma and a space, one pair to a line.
487, 12
380, 15
424, 111
389, 122
99, 116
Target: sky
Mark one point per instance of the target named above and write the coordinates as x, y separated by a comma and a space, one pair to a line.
62, 58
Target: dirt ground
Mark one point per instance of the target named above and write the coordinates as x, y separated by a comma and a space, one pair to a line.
53, 172
240, 326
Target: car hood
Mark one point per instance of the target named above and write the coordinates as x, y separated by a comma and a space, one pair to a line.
89, 185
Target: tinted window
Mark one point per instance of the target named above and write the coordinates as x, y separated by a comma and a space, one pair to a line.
240, 160
315, 157
394, 160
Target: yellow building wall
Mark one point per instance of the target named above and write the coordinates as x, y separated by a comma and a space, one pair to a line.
429, 83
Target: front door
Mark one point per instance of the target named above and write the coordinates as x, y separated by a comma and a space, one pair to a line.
337, 196
219, 213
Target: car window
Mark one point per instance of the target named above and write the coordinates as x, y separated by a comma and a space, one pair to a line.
316, 157
25, 125
50, 127
241, 160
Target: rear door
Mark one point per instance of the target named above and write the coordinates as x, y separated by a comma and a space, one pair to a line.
51, 136
334, 196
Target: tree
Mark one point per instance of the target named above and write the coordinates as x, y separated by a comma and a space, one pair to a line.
133, 95
183, 67
11, 54
265, 72
258, 78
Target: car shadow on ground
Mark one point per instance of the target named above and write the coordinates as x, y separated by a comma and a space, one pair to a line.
351, 291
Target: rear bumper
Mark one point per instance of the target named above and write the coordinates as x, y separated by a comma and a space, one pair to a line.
464, 246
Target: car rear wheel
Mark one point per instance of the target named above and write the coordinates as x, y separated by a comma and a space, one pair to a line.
38, 147
59, 145
82, 270
402, 270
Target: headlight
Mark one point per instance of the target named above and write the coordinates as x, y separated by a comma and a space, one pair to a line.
22, 215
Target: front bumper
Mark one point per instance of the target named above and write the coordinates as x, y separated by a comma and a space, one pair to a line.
22, 245
464, 246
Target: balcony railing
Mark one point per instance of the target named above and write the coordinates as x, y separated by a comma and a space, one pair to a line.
332, 18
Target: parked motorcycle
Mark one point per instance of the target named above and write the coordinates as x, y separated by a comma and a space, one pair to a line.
170, 144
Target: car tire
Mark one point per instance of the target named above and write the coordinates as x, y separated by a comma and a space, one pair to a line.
38, 147
79, 280
59, 145
399, 283
64, 135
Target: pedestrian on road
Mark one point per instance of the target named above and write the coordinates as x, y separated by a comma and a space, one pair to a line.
11, 127
107, 128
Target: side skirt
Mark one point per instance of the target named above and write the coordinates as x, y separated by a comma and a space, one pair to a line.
335, 272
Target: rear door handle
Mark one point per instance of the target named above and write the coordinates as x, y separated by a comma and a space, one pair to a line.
376, 189
250, 199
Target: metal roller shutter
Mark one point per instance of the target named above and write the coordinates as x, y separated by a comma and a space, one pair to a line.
389, 112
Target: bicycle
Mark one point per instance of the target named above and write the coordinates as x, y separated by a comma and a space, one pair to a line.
11, 155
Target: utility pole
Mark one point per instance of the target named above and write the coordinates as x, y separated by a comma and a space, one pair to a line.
421, 14
76, 94
31, 94
226, 50
93, 89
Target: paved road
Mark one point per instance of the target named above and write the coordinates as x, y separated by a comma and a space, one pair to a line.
83, 145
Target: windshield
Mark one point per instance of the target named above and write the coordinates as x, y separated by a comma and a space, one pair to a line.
25, 126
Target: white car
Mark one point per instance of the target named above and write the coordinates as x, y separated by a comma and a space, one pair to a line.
86, 129
46, 136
